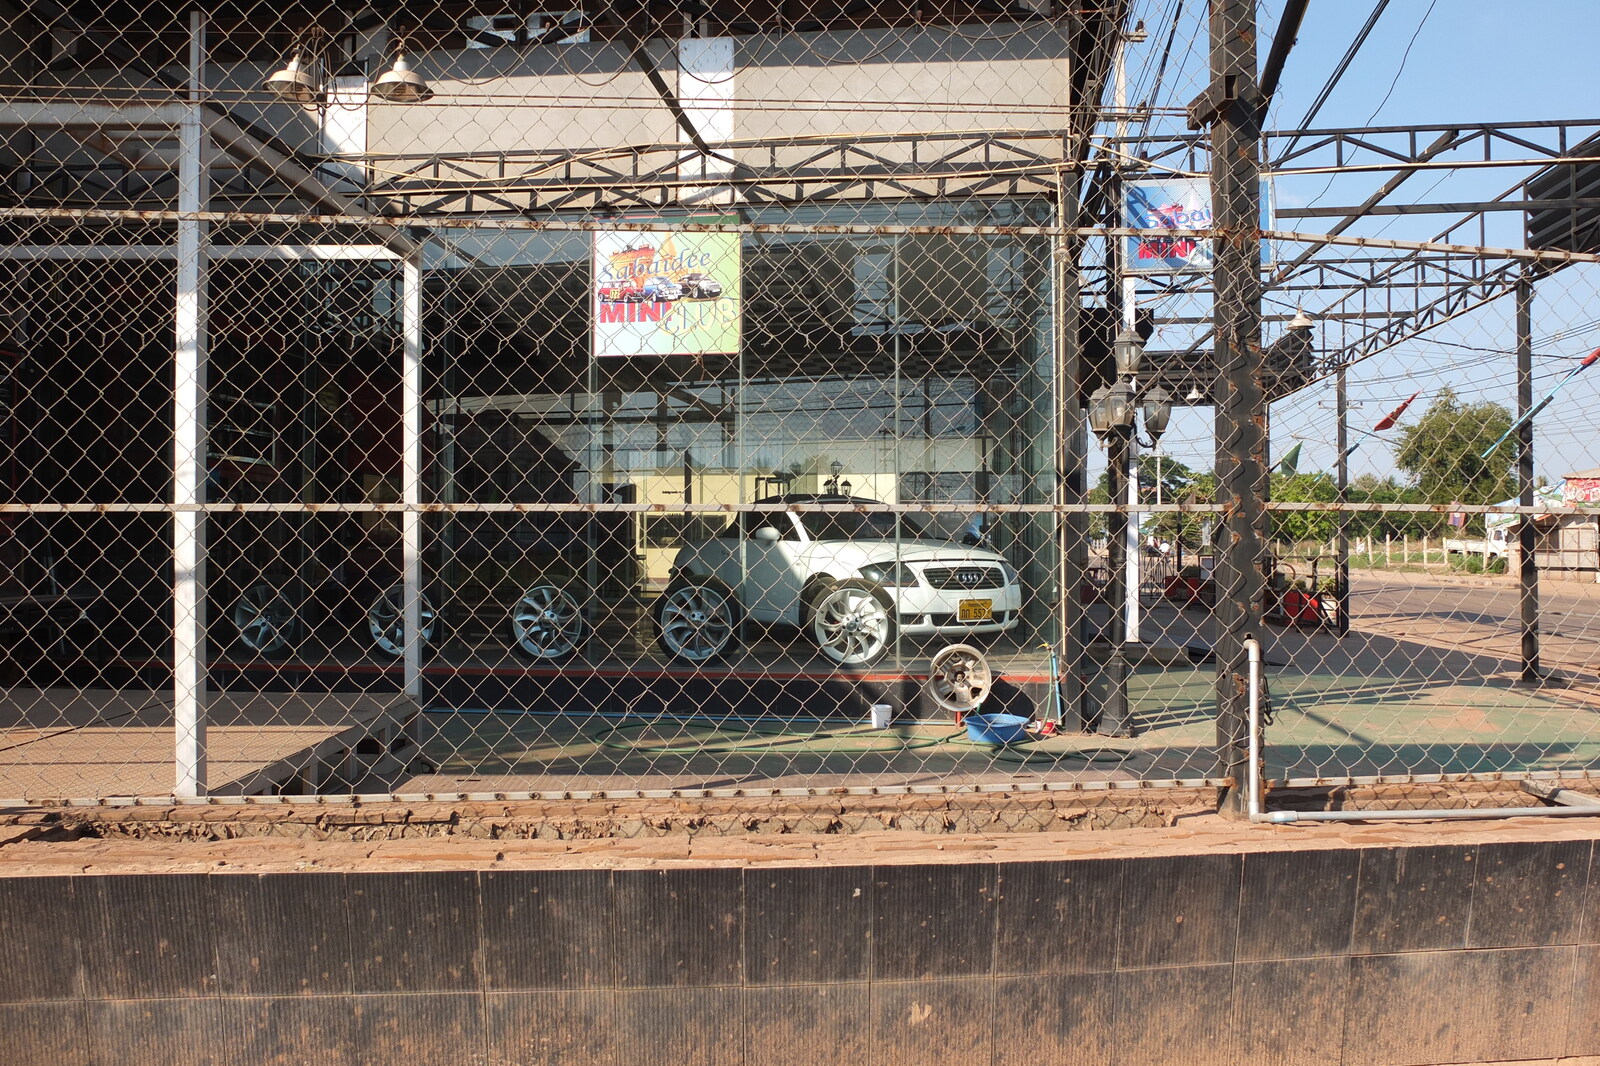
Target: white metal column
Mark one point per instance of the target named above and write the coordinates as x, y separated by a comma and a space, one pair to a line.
189, 439
411, 469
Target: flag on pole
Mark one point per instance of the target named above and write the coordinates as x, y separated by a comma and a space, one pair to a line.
1388, 421
1290, 464
1587, 361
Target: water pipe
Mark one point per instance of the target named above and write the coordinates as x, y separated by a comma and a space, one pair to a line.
1254, 800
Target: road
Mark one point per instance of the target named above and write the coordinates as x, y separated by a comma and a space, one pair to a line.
1473, 615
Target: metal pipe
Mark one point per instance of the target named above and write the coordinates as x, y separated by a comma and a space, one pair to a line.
189, 697
1447, 814
1132, 579
1341, 582
411, 460
1240, 403
1527, 562
1252, 648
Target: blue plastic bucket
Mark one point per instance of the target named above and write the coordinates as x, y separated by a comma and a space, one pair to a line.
996, 728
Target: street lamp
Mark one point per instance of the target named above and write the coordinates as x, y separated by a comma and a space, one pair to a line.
831, 486
1115, 412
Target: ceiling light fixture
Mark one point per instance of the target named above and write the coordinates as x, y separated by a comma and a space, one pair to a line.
400, 84
293, 84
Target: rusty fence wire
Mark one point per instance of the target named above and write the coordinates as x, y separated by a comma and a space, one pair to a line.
601, 402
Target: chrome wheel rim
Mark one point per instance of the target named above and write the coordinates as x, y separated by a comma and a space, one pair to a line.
387, 624
852, 626
546, 623
696, 621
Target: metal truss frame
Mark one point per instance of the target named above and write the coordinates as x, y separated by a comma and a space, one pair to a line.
1437, 286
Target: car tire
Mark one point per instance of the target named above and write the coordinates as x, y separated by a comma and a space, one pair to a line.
385, 621
696, 619
547, 624
265, 621
852, 622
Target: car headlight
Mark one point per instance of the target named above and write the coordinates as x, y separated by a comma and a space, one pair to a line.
1010, 572
890, 574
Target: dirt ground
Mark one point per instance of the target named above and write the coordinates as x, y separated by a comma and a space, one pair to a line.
660, 834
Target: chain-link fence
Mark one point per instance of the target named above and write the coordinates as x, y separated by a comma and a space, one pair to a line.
742, 397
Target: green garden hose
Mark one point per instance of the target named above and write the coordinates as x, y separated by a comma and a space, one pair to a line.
615, 736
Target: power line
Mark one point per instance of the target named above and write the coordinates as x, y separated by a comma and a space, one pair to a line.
1334, 78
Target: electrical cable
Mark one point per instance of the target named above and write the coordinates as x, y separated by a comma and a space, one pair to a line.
1335, 77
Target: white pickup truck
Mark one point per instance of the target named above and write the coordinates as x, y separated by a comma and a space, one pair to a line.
1494, 546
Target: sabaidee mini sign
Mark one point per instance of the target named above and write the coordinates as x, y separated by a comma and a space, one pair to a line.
1175, 204
663, 291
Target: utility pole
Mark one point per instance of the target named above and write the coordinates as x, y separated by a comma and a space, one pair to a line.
1527, 568
1341, 581
1231, 107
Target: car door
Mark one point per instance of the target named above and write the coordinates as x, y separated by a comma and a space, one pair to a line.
769, 585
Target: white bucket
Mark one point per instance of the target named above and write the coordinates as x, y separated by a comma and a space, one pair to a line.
881, 715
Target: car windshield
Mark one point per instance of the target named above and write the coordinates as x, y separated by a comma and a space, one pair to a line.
858, 525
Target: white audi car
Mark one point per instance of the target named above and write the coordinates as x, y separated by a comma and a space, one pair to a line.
849, 579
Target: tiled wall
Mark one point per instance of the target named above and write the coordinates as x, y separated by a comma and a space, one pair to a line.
1413, 955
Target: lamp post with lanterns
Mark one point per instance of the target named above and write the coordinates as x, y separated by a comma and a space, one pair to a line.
1114, 413
833, 486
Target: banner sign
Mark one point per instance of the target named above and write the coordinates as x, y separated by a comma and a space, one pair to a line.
1174, 203
666, 292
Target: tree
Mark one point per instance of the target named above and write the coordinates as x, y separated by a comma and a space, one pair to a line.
1442, 452
1176, 479
1293, 527
1180, 528
1375, 525
1179, 484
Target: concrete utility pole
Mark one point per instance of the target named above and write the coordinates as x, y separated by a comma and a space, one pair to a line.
1231, 107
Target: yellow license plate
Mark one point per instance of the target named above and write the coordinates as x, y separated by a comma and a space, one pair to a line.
975, 611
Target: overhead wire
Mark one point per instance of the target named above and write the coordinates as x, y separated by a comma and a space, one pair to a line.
1337, 75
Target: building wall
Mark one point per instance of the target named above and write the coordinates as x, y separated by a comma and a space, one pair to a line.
1446, 954
789, 87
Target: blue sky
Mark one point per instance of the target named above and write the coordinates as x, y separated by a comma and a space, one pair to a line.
1427, 61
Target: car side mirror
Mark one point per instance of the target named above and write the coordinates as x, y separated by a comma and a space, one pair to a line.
766, 535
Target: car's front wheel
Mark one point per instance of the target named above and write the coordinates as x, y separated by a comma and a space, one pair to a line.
852, 622
696, 620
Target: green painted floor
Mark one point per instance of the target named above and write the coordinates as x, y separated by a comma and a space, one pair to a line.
1423, 685
1325, 726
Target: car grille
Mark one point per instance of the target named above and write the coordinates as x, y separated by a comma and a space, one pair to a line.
968, 578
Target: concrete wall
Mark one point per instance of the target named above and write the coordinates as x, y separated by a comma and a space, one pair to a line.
1382, 955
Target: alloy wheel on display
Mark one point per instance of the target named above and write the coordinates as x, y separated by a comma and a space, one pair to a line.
547, 623
386, 621
265, 620
959, 678
696, 622
853, 623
